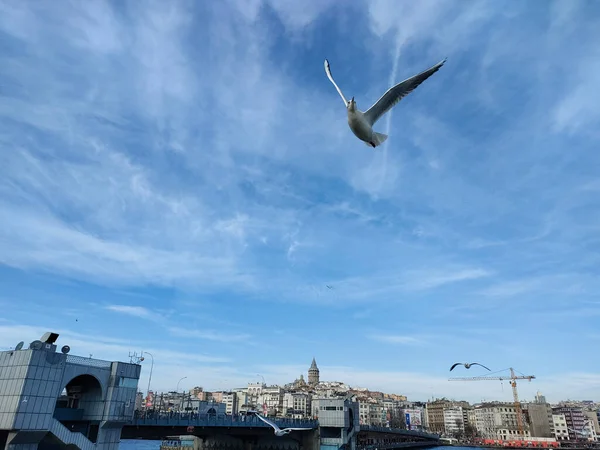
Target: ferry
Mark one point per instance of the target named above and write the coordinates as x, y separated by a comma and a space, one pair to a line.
185, 442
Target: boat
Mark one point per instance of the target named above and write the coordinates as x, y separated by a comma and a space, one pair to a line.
185, 442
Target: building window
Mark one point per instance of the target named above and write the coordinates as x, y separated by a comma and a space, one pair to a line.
127, 382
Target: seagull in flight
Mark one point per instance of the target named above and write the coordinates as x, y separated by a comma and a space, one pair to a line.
361, 123
278, 431
467, 365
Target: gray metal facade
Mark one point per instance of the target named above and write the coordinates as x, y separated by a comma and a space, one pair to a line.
101, 397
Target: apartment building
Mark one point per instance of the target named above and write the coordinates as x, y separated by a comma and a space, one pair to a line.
364, 411
593, 418
539, 416
454, 424
575, 419
297, 404
230, 400
561, 431
498, 421
271, 398
436, 422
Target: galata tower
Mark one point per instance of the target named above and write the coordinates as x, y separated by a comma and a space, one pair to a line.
313, 373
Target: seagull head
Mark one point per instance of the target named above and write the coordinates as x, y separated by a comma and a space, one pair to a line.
352, 105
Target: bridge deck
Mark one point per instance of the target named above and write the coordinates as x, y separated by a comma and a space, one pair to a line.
251, 421
209, 420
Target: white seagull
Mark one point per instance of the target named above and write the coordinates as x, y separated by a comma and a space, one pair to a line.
361, 123
278, 431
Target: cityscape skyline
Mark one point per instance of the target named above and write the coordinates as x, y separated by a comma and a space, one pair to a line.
218, 376
179, 178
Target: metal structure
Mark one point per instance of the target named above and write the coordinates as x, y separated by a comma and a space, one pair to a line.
513, 382
149, 377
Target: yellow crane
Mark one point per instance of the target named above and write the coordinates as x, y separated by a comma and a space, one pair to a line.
513, 382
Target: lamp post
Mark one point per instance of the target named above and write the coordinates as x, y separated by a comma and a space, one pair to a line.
150, 376
177, 390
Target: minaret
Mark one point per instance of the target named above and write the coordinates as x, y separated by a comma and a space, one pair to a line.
313, 373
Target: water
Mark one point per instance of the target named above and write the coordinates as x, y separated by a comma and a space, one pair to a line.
138, 444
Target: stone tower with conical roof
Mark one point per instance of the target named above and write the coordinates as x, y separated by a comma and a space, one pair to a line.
313, 373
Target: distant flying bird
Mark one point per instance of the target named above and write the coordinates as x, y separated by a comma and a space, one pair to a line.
278, 431
329, 287
361, 123
467, 365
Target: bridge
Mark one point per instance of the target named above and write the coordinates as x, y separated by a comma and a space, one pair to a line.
156, 426
247, 429
201, 421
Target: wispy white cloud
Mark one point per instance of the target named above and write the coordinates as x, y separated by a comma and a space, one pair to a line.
136, 311
387, 286
174, 328
432, 280
394, 339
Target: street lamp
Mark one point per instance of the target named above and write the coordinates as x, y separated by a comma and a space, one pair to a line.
177, 390
180, 380
150, 376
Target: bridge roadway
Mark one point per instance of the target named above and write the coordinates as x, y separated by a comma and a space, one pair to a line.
157, 425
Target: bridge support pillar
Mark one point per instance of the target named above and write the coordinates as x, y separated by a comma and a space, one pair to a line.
109, 435
311, 441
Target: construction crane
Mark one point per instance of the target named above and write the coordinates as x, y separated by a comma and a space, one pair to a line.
513, 382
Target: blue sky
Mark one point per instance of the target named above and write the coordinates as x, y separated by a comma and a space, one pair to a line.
179, 177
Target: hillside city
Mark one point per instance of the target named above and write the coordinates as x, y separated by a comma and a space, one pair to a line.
566, 421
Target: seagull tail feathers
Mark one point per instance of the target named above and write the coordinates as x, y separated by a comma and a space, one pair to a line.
379, 138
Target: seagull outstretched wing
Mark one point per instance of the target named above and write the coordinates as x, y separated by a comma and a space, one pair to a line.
278, 431
397, 93
267, 421
328, 72
454, 365
477, 364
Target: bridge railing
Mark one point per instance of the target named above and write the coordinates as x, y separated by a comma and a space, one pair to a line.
399, 431
89, 362
214, 420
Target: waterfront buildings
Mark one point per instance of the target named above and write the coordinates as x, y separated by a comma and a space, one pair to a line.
310, 397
